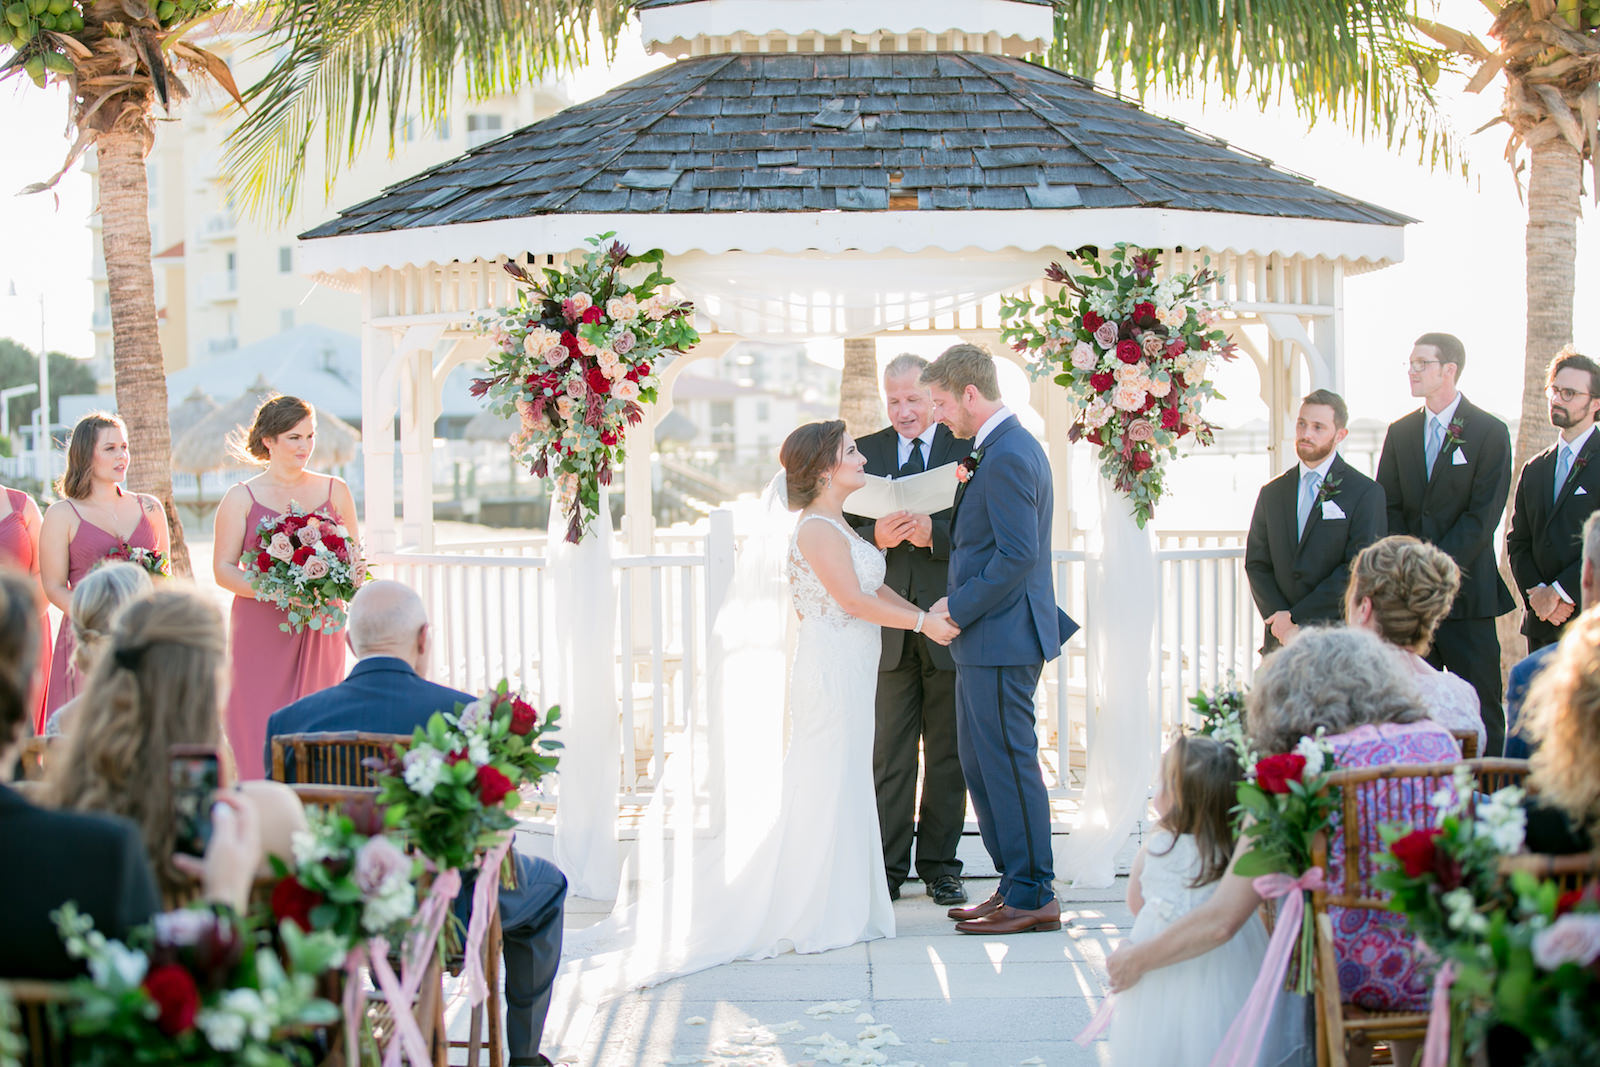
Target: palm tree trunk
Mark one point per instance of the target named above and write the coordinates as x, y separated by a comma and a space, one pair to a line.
860, 405
141, 380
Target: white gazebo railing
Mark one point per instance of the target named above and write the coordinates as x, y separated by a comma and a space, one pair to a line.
490, 606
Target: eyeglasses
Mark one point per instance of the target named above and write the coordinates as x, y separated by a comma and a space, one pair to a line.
1417, 366
1566, 396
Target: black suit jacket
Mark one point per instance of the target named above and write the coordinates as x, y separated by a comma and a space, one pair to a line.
1459, 507
1308, 575
97, 861
921, 575
1545, 542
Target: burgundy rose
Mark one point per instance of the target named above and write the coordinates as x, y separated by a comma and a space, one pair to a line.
492, 786
608, 438
263, 562
1574, 898
1149, 402
301, 554
1129, 351
570, 341
1171, 419
524, 717
1143, 461
458, 756
1176, 347
291, 900
1091, 321
1144, 312
597, 381
1103, 381
1093, 437
175, 994
591, 314
1415, 851
1274, 773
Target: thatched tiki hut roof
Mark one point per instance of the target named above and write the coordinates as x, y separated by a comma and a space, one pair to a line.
204, 446
189, 411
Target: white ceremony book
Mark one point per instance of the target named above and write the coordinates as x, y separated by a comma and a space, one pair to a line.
921, 494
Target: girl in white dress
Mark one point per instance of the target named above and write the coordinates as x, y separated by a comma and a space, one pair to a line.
1177, 1016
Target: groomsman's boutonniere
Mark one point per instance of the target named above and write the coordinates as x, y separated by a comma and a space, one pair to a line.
968, 466
1327, 489
1453, 432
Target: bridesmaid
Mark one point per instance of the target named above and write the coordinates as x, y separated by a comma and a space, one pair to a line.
19, 546
273, 668
94, 517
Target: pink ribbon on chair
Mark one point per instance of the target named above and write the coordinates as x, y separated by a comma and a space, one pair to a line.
355, 1003
1436, 1048
1099, 1024
1242, 1045
402, 994
485, 898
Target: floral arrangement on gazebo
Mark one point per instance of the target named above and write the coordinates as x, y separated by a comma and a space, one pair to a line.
574, 361
1135, 354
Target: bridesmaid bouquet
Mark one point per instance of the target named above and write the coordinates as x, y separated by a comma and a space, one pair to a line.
155, 563
306, 565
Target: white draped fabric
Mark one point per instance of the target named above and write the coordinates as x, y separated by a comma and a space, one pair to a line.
812, 295
580, 615
1122, 590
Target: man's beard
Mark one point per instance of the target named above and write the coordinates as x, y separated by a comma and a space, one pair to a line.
1312, 460
1560, 418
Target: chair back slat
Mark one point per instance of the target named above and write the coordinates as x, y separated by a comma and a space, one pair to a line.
35, 1004
1570, 872
1468, 740
331, 797
328, 758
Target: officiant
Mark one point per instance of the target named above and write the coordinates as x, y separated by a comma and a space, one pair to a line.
916, 699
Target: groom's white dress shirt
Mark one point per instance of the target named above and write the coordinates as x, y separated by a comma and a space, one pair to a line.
1001, 414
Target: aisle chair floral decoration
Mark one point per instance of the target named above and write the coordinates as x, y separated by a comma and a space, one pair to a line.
1135, 354
574, 362
154, 563
305, 564
1513, 951
192, 988
1220, 711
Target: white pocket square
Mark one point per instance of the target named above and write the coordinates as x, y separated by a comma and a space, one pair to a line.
1331, 510
1458, 460
1580, 491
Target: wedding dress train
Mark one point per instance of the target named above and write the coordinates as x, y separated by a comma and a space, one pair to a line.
812, 878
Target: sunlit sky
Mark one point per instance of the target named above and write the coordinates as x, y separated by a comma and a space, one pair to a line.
1463, 268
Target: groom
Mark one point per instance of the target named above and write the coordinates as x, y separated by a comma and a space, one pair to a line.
1002, 597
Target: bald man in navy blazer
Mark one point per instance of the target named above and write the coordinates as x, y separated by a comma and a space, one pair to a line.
1002, 597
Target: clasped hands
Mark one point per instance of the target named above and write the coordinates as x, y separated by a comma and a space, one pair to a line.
1549, 605
903, 526
938, 626
1282, 625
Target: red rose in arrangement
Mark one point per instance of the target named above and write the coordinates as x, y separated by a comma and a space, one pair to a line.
1129, 351
1274, 773
291, 900
608, 438
596, 380
1415, 851
175, 994
524, 717
263, 562
458, 756
1142, 460
592, 314
302, 554
1092, 322
1144, 312
1094, 437
1171, 419
492, 785
1103, 381
1572, 898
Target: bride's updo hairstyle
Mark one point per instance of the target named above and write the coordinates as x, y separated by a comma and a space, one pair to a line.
808, 454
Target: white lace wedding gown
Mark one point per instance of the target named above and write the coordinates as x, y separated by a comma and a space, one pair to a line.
816, 880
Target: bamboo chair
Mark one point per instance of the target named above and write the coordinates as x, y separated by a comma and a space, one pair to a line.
331, 797
36, 1003
1570, 872
477, 1043
1370, 796
1468, 740
328, 758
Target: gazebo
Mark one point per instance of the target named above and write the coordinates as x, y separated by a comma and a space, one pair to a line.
821, 168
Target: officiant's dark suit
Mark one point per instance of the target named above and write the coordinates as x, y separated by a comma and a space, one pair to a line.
1306, 573
916, 686
1457, 508
1545, 542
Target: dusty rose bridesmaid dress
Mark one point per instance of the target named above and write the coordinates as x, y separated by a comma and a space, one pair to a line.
89, 546
272, 668
18, 549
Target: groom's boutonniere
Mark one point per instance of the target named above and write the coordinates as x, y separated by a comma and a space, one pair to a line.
968, 466
1327, 489
1452, 434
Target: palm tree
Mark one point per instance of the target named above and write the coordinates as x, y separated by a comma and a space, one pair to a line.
348, 61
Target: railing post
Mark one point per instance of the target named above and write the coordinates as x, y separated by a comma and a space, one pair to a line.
719, 579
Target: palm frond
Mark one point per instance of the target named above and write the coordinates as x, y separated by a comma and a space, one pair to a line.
345, 69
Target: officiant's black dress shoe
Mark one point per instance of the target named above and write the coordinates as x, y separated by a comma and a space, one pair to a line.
947, 891
978, 911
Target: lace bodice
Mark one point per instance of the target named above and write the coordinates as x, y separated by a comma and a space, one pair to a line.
811, 599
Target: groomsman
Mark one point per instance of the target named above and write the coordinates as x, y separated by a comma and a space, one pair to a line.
1309, 523
916, 676
1555, 494
1446, 473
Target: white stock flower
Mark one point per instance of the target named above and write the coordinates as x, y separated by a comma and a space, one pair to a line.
1503, 820
1463, 911
308, 848
395, 901
117, 961
477, 750
248, 1005
223, 1029
474, 716
1312, 751
423, 768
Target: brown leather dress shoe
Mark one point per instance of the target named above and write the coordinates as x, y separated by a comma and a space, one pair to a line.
1009, 920
978, 911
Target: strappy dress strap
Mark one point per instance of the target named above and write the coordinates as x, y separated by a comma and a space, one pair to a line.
835, 523
18, 500
74, 508
329, 502
248, 491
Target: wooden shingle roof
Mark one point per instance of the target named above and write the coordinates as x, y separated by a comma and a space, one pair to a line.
802, 132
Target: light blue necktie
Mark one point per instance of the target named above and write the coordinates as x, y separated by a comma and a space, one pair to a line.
1310, 481
1435, 442
1563, 465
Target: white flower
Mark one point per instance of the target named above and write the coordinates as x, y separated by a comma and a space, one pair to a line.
395, 901
1503, 820
1098, 413
223, 1029
248, 1006
183, 927
117, 961
1570, 939
474, 716
424, 767
1315, 758
477, 750
1463, 912
308, 848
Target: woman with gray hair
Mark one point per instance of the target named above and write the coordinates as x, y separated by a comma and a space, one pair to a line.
1351, 686
95, 603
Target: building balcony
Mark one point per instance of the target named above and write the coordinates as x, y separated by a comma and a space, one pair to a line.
219, 226
100, 320
220, 286
216, 346
206, 170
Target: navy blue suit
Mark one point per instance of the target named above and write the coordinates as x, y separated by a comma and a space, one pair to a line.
1003, 598
383, 694
1518, 744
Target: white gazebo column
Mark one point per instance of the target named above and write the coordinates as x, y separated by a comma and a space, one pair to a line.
419, 410
377, 435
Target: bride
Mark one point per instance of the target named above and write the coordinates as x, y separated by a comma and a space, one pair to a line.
805, 872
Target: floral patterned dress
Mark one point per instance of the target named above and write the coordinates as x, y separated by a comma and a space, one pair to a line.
1380, 968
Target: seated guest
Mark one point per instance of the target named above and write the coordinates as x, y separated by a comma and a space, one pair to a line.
1518, 741
158, 683
1401, 589
95, 861
95, 603
1563, 710
386, 693
1348, 683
